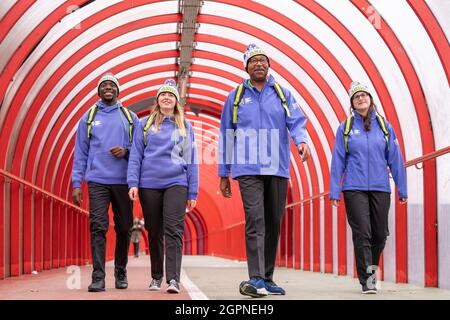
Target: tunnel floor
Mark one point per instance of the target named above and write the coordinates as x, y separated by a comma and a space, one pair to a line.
203, 277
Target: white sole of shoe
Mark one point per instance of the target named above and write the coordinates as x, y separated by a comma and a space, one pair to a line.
154, 288
369, 292
172, 290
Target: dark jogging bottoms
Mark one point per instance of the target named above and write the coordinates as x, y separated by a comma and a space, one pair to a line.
367, 214
164, 215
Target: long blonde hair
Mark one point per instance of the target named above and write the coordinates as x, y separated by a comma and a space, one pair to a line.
156, 117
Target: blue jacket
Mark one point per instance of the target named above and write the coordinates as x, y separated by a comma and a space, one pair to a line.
364, 167
166, 160
92, 159
258, 144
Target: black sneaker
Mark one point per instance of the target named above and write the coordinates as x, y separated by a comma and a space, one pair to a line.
121, 278
273, 289
367, 290
173, 287
155, 285
97, 285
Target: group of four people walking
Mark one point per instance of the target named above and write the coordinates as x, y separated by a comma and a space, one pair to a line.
155, 159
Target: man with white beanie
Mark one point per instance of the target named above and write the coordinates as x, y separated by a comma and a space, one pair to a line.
103, 140
262, 111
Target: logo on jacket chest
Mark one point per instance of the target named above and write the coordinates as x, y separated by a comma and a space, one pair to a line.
354, 132
96, 123
247, 100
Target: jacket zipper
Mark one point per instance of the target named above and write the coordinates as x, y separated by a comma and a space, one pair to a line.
368, 160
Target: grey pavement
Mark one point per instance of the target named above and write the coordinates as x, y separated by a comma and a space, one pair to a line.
219, 278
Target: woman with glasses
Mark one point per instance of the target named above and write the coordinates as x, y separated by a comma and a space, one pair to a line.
365, 147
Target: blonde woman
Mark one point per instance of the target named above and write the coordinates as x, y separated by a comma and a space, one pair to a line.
164, 172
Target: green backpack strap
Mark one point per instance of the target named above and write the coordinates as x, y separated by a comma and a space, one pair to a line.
347, 129
237, 99
90, 119
147, 126
349, 124
240, 93
127, 114
282, 97
383, 126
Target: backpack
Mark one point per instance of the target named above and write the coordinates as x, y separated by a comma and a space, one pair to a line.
125, 111
349, 124
240, 93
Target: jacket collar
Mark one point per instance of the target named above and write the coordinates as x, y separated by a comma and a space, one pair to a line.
102, 106
270, 82
357, 115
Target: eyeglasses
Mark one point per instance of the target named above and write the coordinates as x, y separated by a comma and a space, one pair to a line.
254, 61
361, 95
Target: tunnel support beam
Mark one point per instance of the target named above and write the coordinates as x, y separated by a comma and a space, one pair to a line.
187, 28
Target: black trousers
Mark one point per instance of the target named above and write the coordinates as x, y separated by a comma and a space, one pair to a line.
164, 215
100, 197
264, 199
136, 249
367, 214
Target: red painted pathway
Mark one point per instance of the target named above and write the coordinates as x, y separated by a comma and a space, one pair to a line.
61, 284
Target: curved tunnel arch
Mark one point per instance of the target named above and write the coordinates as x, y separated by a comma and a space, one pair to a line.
38, 127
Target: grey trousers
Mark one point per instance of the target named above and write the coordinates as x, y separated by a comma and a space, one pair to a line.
264, 199
164, 215
100, 197
367, 214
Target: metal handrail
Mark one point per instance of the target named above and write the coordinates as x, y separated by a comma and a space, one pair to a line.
44, 192
428, 156
409, 163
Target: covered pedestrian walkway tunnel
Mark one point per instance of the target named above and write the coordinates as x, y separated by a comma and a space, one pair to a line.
53, 53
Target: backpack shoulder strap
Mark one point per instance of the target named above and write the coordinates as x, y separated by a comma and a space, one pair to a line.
282, 97
130, 121
237, 99
147, 126
90, 119
382, 123
347, 129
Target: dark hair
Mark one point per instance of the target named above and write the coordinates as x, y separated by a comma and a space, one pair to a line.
367, 119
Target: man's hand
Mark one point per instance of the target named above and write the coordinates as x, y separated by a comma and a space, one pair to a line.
304, 151
403, 200
132, 193
118, 152
77, 196
225, 187
190, 204
335, 202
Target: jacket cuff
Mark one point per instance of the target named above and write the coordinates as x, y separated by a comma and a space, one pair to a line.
192, 196
132, 185
76, 184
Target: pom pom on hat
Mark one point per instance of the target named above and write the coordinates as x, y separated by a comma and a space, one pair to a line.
355, 87
169, 86
109, 77
253, 50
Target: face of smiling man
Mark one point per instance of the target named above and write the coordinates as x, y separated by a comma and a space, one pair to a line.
108, 92
258, 67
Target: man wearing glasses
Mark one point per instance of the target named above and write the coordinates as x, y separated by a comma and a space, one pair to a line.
254, 148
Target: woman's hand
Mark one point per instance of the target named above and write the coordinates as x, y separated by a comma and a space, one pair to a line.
403, 200
190, 204
133, 193
335, 202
